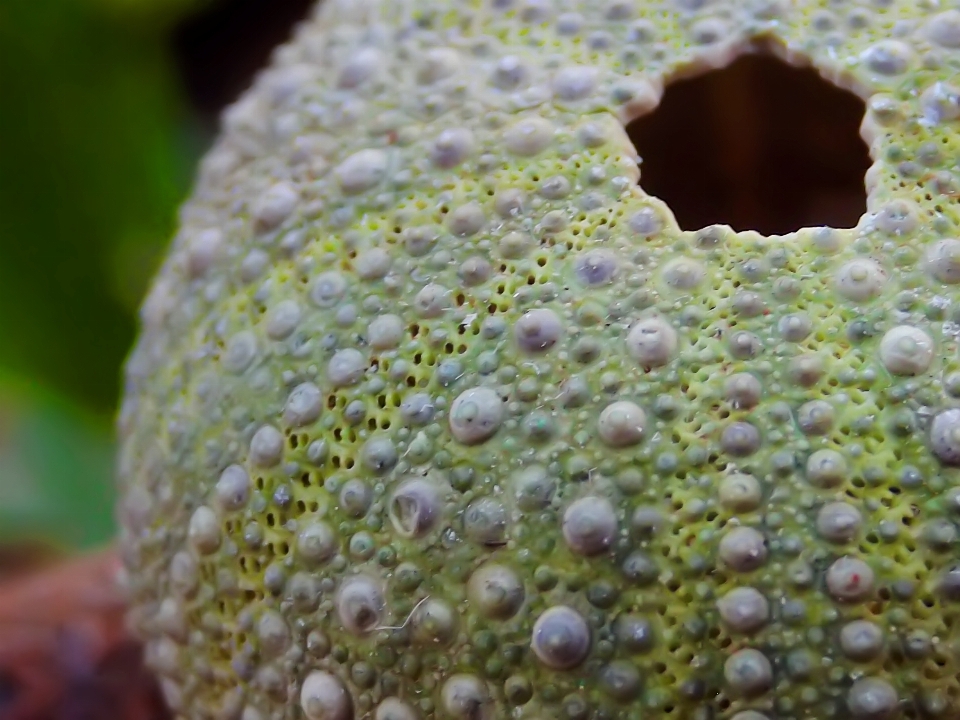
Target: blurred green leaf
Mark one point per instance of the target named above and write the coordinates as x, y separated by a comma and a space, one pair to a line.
94, 158
56, 470
96, 151
164, 12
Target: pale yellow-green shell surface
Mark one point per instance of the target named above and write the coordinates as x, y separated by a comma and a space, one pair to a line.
437, 414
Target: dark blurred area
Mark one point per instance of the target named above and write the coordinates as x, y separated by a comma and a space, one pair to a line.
219, 49
106, 108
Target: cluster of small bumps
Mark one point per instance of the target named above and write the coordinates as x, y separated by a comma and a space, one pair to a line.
436, 414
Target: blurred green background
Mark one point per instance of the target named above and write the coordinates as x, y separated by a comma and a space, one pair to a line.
105, 108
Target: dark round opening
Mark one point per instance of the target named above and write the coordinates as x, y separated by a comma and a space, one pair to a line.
759, 145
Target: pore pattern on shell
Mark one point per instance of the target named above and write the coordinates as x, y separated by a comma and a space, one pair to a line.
374, 366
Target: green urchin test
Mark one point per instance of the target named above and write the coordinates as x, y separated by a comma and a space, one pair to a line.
436, 414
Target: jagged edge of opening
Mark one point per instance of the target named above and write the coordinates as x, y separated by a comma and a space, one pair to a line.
722, 56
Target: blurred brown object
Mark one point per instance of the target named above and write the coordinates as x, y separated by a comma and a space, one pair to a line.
21, 558
64, 650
